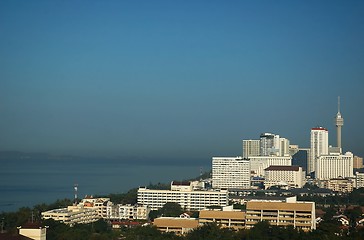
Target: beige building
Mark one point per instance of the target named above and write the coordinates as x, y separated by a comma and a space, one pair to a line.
225, 218
290, 176
344, 185
359, 179
179, 226
301, 215
73, 215
33, 231
358, 162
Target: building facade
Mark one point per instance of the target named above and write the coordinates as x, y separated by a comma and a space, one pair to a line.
300, 215
127, 211
341, 185
73, 215
188, 200
224, 218
334, 166
266, 144
258, 164
251, 148
230, 172
178, 225
358, 162
319, 146
290, 176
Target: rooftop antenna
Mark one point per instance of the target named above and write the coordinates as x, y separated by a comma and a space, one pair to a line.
76, 191
338, 104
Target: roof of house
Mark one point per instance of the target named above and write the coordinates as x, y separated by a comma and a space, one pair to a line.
267, 205
176, 222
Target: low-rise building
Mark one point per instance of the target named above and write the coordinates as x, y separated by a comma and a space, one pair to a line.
341, 185
225, 218
359, 179
300, 215
73, 215
118, 212
292, 176
178, 225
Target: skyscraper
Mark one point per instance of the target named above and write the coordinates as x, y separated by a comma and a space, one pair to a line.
339, 122
319, 146
266, 144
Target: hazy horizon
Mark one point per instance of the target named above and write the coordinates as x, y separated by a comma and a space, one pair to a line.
177, 79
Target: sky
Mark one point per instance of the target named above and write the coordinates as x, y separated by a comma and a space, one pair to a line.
177, 80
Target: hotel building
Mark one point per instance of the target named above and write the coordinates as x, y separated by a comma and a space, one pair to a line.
319, 146
290, 176
334, 166
230, 172
188, 199
258, 164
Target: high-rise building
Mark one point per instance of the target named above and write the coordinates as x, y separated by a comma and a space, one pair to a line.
358, 162
266, 144
301, 158
319, 146
251, 148
230, 172
339, 122
334, 166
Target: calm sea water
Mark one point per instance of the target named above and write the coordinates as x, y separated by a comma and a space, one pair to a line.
30, 182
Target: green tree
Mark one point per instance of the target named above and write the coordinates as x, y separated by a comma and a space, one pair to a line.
171, 209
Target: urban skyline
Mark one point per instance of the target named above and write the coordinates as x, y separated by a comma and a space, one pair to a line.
175, 80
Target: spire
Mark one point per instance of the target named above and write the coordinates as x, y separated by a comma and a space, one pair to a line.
338, 104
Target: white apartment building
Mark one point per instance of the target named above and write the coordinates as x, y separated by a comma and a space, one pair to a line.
291, 176
188, 200
73, 215
334, 166
251, 148
230, 172
319, 146
128, 211
258, 164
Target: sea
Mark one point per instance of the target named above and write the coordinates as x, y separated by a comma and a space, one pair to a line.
28, 182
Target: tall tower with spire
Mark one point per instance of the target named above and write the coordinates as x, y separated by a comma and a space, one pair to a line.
339, 122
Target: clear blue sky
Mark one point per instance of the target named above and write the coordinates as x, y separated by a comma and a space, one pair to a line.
177, 79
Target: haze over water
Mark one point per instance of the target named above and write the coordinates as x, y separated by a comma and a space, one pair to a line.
27, 182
